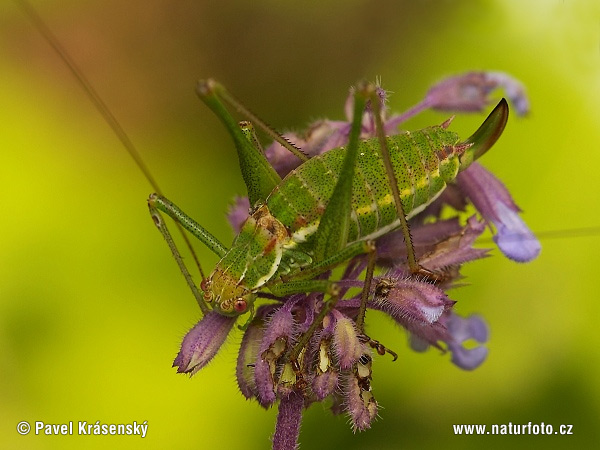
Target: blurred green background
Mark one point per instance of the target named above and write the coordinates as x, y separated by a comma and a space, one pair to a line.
92, 307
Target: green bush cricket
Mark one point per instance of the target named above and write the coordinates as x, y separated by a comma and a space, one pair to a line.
317, 218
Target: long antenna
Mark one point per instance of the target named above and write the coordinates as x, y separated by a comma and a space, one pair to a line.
107, 115
97, 101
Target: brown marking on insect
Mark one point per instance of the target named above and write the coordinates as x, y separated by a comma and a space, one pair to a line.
300, 222
446, 123
265, 221
444, 152
270, 246
460, 148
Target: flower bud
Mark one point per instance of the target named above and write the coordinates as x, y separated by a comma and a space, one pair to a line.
203, 342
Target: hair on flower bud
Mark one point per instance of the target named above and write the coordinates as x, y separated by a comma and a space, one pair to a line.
203, 342
414, 304
346, 343
247, 357
325, 384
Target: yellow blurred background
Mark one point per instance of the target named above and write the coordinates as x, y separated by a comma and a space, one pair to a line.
92, 307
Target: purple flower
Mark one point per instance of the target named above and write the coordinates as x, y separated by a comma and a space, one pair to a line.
278, 335
470, 92
238, 213
346, 343
461, 330
495, 204
300, 349
203, 342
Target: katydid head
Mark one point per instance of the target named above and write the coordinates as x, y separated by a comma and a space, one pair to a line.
225, 297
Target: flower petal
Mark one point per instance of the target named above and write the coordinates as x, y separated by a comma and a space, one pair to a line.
468, 359
360, 403
415, 305
470, 92
495, 204
238, 213
514, 238
514, 90
456, 249
247, 357
325, 384
463, 329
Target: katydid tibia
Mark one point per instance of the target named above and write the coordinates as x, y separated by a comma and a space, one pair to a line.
329, 209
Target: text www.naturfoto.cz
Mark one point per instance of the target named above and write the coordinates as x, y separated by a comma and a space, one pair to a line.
510, 428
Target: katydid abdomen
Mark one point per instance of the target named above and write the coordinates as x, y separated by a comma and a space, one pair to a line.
423, 161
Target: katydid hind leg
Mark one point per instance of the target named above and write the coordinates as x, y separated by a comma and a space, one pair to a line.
332, 233
413, 265
259, 176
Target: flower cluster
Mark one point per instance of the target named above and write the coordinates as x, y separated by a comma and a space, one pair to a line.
335, 359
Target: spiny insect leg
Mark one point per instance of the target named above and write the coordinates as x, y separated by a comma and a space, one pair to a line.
157, 203
414, 266
377, 346
364, 299
259, 176
345, 254
301, 286
211, 87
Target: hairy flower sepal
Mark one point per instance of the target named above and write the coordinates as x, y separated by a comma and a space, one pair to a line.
346, 342
425, 312
203, 342
360, 402
274, 344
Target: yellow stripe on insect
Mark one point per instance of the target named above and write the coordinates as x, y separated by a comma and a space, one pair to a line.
365, 209
423, 182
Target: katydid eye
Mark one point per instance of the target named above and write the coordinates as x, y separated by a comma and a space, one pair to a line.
240, 305
205, 284
207, 294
